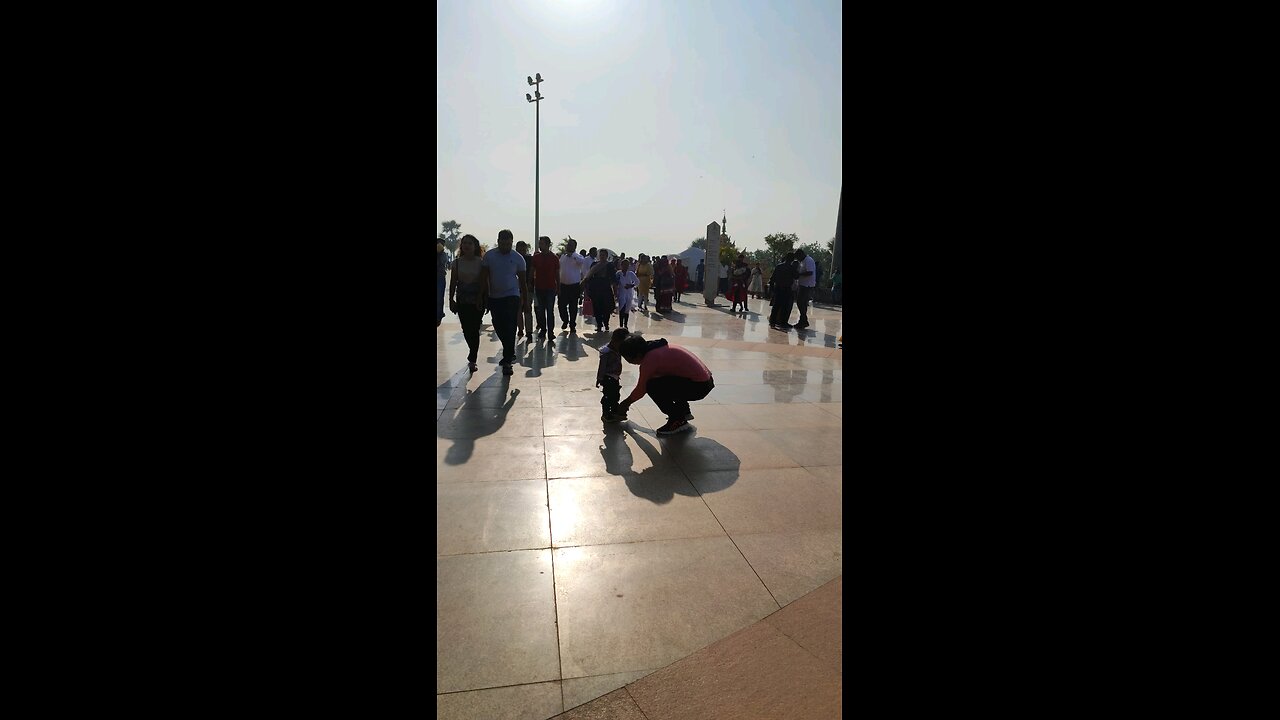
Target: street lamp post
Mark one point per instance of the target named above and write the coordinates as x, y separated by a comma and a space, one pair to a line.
537, 121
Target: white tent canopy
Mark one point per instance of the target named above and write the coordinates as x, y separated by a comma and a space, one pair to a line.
691, 256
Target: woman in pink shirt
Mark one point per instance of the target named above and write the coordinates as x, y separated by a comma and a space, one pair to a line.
669, 374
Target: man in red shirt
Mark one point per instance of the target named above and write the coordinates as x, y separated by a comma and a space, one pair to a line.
546, 286
669, 374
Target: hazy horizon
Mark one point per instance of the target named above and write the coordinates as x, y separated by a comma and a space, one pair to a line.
659, 117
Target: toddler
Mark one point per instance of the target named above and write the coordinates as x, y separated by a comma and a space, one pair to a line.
610, 377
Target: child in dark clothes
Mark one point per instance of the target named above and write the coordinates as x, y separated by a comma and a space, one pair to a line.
610, 376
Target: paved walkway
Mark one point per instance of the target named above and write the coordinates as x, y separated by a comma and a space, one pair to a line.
574, 558
785, 667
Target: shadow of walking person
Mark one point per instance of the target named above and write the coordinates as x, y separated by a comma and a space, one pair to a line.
570, 348
536, 357
468, 423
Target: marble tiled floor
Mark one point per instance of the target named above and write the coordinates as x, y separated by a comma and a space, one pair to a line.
785, 667
574, 557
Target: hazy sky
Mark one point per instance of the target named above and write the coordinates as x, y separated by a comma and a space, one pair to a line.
659, 116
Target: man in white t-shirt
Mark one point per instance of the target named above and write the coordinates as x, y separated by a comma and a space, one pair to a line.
572, 267
808, 281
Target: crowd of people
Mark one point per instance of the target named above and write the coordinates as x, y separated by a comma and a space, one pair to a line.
522, 291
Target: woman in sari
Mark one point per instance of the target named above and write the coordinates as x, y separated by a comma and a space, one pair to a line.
681, 274
666, 286
757, 282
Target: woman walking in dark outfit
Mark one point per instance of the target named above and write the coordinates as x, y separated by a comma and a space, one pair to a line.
666, 286
738, 284
669, 374
441, 266
600, 281
681, 274
465, 298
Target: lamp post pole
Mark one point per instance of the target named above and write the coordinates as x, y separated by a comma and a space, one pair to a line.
537, 131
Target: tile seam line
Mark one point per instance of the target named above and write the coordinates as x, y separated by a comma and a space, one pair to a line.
623, 672
826, 663
635, 702
497, 687
607, 544
555, 599
588, 677
636, 542
731, 540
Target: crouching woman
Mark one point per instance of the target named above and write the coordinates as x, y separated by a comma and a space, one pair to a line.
669, 374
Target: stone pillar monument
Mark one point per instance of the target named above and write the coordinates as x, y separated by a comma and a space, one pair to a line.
711, 276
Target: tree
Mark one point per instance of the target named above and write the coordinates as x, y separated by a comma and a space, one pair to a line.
780, 244
728, 252
563, 247
450, 235
699, 244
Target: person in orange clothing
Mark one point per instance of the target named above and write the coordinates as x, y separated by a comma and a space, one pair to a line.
644, 271
669, 374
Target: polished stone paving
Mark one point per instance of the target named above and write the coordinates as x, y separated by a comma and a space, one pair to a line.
574, 558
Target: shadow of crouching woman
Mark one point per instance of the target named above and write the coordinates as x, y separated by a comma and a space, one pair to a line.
667, 476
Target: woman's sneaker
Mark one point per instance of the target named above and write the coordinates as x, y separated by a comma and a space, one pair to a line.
674, 426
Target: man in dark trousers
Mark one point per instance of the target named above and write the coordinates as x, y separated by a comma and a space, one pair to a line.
572, 266
784, 275
546, 286
702, 271
502, 276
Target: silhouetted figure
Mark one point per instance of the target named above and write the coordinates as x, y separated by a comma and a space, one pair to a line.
609, 377
572, 268
441, 265
466, 296
808, 277
670, 375
784, 276
503, 277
